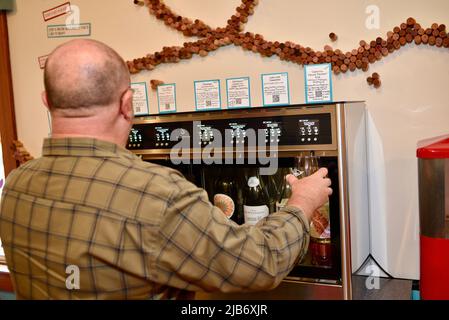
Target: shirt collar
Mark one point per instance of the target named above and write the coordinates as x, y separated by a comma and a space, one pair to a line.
84, 147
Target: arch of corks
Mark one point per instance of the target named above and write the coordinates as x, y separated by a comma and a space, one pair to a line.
209, 39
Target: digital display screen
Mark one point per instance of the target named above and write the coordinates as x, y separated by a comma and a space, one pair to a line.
162, 134
283, 130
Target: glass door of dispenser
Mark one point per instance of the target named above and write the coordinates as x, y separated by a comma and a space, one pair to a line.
322, 263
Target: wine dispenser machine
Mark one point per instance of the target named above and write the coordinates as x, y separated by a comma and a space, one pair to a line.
201, 144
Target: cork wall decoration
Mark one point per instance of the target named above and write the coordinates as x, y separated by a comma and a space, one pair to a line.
210, 39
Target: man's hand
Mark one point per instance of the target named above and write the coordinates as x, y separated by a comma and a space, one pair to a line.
310, 193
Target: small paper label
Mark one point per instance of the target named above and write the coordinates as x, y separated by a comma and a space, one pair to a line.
225, 203
207, 95
253, 214
140, 98
69, 30
42, 61
318, 81
57, 11
166, 95
275, 89
238, 90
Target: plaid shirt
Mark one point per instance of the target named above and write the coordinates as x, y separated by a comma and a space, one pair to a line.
135, 230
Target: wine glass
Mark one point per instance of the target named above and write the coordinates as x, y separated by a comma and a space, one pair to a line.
307, 165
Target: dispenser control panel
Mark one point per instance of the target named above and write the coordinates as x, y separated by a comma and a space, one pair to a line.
293, 130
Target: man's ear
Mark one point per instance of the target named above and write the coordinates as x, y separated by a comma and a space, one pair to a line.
126, 105
45, 100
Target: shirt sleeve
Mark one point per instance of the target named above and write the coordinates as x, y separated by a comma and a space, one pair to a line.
199, 249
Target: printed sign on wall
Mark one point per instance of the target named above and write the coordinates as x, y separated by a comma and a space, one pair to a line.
318, 82
207, 95
140, 98
68, 30
239, 93
57, 11
166, 97
275, 89
42, 61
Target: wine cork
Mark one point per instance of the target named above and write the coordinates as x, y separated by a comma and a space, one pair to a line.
333, 36
377, 83
425, 38
432, 40
365, 66
336, 70
411, 21
409, 38
156, 83
446, 42
418, 40
375, 75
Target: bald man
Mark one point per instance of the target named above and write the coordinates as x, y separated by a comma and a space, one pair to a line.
90, 220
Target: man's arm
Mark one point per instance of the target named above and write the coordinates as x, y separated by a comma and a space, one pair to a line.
198, 248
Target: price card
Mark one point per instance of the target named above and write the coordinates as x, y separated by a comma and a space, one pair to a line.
166, 97
275, 89
318, 83
207, 95
238, 92
140, 98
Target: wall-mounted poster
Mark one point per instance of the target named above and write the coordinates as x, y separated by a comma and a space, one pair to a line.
238, 92
166, 97
318, 82
275, 89
207, 95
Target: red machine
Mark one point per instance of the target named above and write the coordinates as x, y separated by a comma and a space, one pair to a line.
433, 166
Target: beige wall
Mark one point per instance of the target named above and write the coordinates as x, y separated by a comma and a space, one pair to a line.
411, 104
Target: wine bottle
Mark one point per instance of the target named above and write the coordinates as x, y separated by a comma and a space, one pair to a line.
286, 190
226, 195
256, 201
320, 232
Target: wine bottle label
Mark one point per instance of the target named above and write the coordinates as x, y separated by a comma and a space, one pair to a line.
225, 203
255, 213
320, 225
253, 182
280, 205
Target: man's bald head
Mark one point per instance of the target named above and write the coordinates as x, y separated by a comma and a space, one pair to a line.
82, 74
